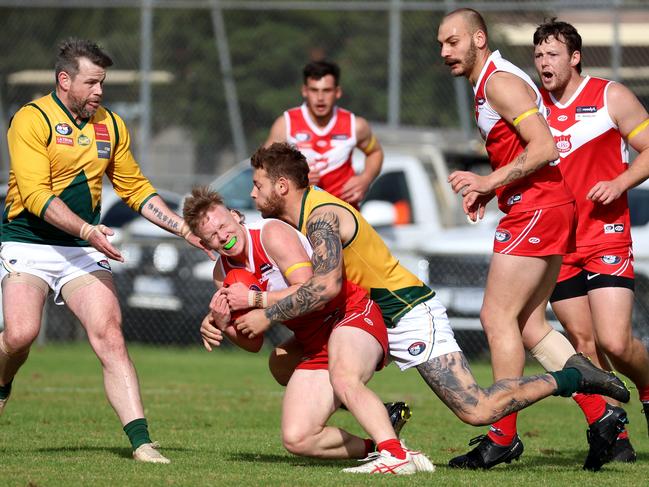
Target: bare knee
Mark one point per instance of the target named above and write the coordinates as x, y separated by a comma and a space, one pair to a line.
108, 342
617, 347
297, 442
343, 383
18, 340
477, 415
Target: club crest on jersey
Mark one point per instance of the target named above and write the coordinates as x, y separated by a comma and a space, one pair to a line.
63, 129
416, 348
515, 198
611, 259
502, 235
302, 136
563, 143
614, 228
83, 140
104, 263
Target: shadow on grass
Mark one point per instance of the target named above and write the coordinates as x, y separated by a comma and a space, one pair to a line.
287, 459
117, 451
558, 459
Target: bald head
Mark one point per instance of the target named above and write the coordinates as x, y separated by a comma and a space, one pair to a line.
472, 19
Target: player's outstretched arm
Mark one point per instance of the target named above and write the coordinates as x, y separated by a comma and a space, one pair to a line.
156, 211
632, 121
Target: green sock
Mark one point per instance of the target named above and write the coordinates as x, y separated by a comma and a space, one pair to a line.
137, 432
5, 390
567, 381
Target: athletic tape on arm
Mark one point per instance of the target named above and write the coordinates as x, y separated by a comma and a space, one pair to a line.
524, 115
639, 128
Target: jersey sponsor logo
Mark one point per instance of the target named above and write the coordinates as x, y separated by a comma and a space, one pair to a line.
563, 143
63, 129
104, 263
611, 259
515, 198
562, 118
614, 228
340, 137
265, 267
585, 112
534, 240
101, 131
64, 140
416, 348
83, 140
369, 322
103, 150
502, 235
302, 136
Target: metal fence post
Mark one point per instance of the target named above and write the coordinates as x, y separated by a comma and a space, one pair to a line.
231, 99
146, 45
394, 65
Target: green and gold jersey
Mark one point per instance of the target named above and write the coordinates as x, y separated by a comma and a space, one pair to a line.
53, 156
370, 264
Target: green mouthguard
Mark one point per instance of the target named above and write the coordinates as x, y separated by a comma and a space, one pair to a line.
230, 243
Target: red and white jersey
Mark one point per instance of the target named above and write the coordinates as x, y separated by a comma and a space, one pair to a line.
327, 150
543, 188
312, 330
591, 149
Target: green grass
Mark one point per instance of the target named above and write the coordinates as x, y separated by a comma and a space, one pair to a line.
217, 417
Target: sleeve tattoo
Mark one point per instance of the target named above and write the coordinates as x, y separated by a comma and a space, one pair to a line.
323, 233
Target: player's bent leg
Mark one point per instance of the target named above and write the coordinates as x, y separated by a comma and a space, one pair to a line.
354, 355
283, 360
308, 403
23, 298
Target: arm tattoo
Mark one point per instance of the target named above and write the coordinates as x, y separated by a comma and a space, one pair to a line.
450, 377
166, 221
324, 235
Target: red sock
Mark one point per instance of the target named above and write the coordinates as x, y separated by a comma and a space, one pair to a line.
394, 447
623, 435
593, 405
502, 432
644, 393
369, 446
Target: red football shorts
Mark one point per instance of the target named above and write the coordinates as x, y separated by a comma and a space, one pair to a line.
612, 259
537, 233
360, 313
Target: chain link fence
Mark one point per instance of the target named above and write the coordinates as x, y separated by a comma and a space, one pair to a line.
199, 82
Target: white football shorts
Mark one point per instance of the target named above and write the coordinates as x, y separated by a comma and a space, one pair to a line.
55, 264
422, 334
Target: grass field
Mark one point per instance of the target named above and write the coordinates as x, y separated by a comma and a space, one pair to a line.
217, 417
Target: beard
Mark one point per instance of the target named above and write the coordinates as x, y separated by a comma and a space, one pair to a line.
78, 106
273, 207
